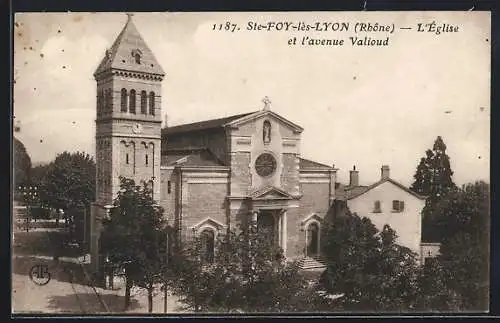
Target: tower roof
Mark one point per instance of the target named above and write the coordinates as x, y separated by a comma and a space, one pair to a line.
122, 54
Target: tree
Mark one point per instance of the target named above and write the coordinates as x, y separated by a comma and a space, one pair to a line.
135, 238
433, 179
70, 181
368, 268
464, 225
434, 292
248, 274
22, 164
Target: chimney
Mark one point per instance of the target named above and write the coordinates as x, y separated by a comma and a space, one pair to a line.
354, 177
385, 174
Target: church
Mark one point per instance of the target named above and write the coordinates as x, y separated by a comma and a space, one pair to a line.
208, 176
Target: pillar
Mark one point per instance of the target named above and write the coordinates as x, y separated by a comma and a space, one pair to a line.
284, 222
254, 217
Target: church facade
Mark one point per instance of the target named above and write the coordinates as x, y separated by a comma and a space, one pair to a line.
208, 176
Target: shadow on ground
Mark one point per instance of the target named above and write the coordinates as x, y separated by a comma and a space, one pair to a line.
71, 303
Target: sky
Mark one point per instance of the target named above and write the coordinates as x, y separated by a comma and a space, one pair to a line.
359, 105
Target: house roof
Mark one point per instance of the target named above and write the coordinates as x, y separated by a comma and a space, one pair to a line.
345, 192
355, 191
306, 163
121, 54
203, 125
193, 157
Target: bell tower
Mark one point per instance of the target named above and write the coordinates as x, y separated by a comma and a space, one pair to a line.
128, 115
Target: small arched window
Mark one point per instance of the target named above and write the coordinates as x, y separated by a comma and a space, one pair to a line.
137, 57
144, 102
123, 102
132, 101
152, 103
207, 238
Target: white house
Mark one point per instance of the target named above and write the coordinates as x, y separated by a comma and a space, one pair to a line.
387, 202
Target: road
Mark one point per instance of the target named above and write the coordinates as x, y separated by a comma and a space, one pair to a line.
62, 294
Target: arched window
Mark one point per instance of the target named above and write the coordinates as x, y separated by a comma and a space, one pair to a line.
144, 102
207, 239
132, 101
100, 102
152, 103
137, 58
313, 239
123, 101
109, 100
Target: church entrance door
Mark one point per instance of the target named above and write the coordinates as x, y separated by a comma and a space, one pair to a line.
267, 223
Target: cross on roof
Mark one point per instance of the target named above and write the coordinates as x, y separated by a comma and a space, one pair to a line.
267, 103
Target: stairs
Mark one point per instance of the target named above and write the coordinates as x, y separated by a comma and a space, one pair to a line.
312, 263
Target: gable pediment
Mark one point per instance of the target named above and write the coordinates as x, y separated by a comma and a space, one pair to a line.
209, 223
270, 192
313, 217
265, 114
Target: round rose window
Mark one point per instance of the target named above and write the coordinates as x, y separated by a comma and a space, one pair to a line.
265, 164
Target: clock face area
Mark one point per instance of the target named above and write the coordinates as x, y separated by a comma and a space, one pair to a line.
137, 128
265, 165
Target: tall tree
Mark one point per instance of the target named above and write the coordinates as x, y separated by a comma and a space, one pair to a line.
22, 164
70, 181
368, 268
135, 237
433, 179
464, 226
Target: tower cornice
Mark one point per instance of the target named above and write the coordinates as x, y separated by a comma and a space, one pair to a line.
129, 74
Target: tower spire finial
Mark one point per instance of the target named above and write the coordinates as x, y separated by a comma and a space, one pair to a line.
129, 16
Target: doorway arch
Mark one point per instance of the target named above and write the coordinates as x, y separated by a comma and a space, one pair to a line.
312, 239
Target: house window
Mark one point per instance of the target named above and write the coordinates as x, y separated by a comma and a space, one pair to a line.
207, 241
169, 187
398, 206
376, 207
123, 103
152, 103
144, 103
132, 102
